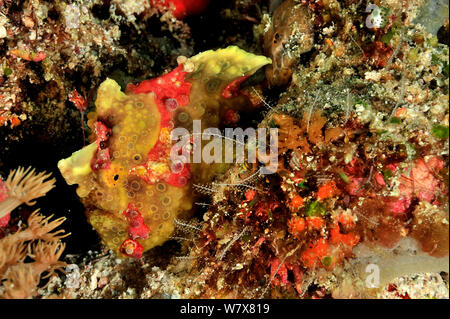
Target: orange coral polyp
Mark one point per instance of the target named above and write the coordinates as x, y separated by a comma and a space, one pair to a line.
337, 238
296, 201
315, 222
336, 247
327, 190
312, 255
14, 121
297, 226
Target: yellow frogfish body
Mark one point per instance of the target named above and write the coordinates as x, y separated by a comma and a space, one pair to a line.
132, 191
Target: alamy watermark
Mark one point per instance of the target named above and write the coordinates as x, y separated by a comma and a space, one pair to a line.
373, 277
235, 146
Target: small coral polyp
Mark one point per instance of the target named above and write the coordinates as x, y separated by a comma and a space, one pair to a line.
124, 177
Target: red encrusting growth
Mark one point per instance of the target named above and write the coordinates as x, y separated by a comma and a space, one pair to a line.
179, 179
261, 209
233, 88
102, 158
5, 220
171, 91
422, 181
231, 117
169, 86
137, 227
28, 55
131, 248
400, 205
278, 272
329, 252
377, 54
393, 288
102, 133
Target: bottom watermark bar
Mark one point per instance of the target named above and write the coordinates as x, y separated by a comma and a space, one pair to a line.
216, 308
226, 308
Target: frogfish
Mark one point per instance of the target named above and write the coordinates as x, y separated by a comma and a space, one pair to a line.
132, 191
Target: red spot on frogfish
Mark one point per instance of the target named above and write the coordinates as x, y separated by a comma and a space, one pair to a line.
131, 248
232, 89
102, 158
171, 91
137, 227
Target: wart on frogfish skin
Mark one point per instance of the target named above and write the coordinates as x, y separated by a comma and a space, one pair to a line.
125, 177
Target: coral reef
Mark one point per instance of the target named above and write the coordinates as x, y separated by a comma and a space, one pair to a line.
357, 91
362, 167
300, 226
51, 47
19, 278
22, 186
